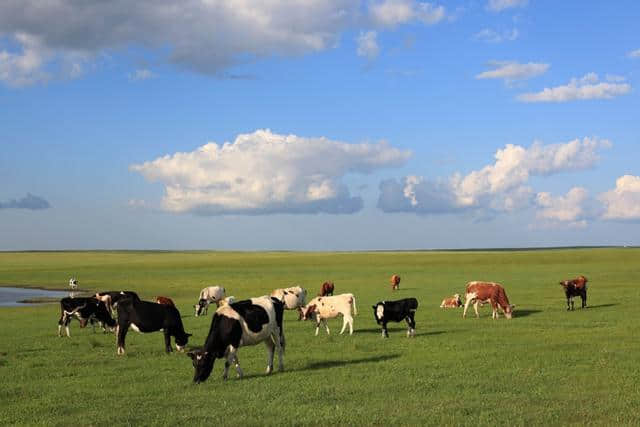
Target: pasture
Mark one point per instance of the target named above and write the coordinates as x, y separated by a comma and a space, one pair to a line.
545, 366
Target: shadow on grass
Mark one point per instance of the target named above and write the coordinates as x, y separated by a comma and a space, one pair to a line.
397, 330
524, 313
601, 306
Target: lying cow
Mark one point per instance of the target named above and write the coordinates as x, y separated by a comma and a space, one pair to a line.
451, 302
238, 324
165, 301
293, 298
326, 289
493, 293
145, 316
323, 308
395, 282
575, 288
396, 311
111, 298
85, 310
207, 296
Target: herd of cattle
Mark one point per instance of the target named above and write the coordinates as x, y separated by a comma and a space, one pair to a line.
249, 322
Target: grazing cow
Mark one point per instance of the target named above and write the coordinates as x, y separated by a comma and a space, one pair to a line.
482, 292
396, 311
111, 298
395, 282
323, 308
451, 302
145, 316
165, 301
293, 298
227, 300
575, 288
207, 296
85, 310
238, 324
327, 289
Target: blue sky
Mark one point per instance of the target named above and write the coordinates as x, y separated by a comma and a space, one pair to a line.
318, 125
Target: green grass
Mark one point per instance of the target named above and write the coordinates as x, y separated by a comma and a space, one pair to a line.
545, 366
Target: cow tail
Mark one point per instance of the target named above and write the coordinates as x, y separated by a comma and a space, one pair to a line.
353, 302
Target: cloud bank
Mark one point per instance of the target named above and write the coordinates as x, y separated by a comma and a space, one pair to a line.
587, 87
29, 202
267, 173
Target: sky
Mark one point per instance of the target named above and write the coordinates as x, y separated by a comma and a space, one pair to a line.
318, 125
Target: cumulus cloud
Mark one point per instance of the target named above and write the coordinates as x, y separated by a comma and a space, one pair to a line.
623, 202
141, 74
264, 173
511, 71
368, 45
634, 54
573, 209
391, 13
499, 187
500, 5
488, 35
30, 202
587, 87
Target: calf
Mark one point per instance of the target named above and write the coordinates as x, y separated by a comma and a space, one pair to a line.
165, 301
238, 324
327, 289
323, 308
395, 282
85, 310
451, 302
482, 292
111, 298
145, 316
396, 311
574, 288
293, 298
207, 296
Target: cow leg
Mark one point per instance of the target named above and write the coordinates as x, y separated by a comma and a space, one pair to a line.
280, 344
466, 307
67, 321
60, 323
318, 320
345, 321
412, 325
475, 308
232, 357
167, 341
326, 325
385, 333
584, 300
271, 345
572, 308
121, 333
568, 304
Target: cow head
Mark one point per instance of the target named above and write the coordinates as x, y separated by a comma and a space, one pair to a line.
200, 306
378, 311
308, 312
202, 363
181, 341
508, 311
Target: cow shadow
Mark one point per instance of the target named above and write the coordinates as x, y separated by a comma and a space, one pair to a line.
397, 329
524, 313
601, 306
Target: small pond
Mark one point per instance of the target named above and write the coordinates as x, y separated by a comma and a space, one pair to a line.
13, 297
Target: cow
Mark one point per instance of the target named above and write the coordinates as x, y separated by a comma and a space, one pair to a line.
482, 292
575, 288
327, 289
323, 308
165, 301
145, 316
85, 310
111, 298
451, 302
396, 311
207, 296
238, 324
293, 298
395, 282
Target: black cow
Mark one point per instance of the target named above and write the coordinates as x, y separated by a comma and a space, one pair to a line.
111, 298
241, 323
396, 311
85, 310
145, 316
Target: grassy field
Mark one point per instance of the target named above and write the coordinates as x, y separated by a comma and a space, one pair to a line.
545, 366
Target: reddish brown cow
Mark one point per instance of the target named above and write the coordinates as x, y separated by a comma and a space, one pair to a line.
327, 289
395, 282
481, 292
451, 302
575, 288
165, 301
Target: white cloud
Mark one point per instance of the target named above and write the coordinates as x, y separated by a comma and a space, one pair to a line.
491, 36
511, 71
368, 45
141, 74
500, 187
584, 88
391, 13
623, 202
571, 209
500, 5
263, 173
634, 54
25, 68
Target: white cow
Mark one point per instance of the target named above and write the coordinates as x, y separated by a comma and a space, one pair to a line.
323, 308
293, 297
207, 296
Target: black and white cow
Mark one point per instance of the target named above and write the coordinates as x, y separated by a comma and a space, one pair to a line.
396, 311
238, 324
145, 316
111, 298
85, 310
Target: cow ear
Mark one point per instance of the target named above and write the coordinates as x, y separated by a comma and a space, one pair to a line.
373, 306
191, 354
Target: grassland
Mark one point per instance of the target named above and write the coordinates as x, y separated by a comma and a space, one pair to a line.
546, 366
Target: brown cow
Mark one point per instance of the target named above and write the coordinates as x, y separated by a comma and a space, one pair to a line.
451, 302
395, 282
165, 301
327, 289
574, 288
481, 292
